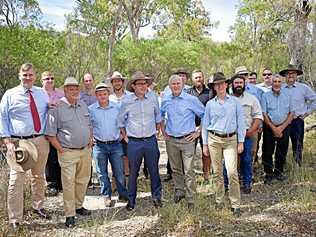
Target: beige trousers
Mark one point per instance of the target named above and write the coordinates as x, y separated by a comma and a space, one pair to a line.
181, 154
225, 148
75, 174
17, 180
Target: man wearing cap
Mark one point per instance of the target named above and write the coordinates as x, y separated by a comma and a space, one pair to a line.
139, 119
23, 112
253, 119
203, 94
87, 94
107, 146
277, 111
223, 134
118, 84
52, 171
304, 103
69, 131
180, 132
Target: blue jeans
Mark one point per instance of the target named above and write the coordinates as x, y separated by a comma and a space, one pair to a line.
245, 164
102, 153
136, 150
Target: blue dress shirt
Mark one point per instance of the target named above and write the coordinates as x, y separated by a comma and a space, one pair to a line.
15, 113
303, 98
224, 118
254, 90
277, 107
139, 116
104, 121
181, 111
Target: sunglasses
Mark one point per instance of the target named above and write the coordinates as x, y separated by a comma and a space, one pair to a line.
48, 78
267, 74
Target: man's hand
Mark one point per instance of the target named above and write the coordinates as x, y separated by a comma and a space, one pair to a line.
277, 131
193, 136
251, 133
205, 150
240, 147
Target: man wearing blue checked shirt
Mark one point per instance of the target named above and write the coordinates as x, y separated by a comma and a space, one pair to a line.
179, 110
277, 113
107, 148
223, 135
304, 103
139, 119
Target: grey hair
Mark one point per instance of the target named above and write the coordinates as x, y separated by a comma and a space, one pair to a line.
174, 77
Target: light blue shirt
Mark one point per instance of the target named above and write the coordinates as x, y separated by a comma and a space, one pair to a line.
167, 90
181, 111
277, 107
303, 98
15, 113
224, 118
139, 116
104, 121
254, 90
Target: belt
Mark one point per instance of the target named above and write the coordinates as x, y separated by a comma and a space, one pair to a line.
141, 138
223, 135
107, 142
181, 137
27, 137
74, 148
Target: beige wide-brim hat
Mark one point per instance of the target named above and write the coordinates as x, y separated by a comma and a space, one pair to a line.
115, 75
138, 76
291, 67
103, 86
241, 70
24, 157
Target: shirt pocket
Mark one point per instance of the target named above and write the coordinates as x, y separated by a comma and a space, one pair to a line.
218, 112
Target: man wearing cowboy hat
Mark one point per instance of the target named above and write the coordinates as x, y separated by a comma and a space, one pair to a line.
304, 103
69, 131
23, 112
277, 111
179, 129
223, 135
139, 119
107, 146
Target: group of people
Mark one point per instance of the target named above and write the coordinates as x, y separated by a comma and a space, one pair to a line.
118, 120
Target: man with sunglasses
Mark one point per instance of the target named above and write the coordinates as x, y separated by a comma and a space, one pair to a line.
52, 171
267, 80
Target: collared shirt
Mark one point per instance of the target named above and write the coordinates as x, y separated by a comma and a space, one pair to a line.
15, 113
70, 123
254, 90
277, 107
252, 108
118, 100
303, 98
223, 118
204, 96
104, 121
264, 87
181, 111
88, 99
55, 96
167, 90
139, 116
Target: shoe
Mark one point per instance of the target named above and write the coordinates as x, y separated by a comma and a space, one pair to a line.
190, 206
51, 192
167, 178
236, 212
83, 211
268, 179
15, 226
178, 198
70, 221
280, 177
246, 189
226, 189
107, 201
41, 213
157, 203
123, 198
129, 207
219, 205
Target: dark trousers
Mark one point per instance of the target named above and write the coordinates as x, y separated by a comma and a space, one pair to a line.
278, 147
52, 170
297, 139
136, 150
169, 170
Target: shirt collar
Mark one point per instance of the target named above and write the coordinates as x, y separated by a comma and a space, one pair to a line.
110, 105
136, 98
226, 97
64, 99
288, 86
182, 95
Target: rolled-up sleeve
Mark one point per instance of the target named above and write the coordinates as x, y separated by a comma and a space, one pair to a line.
241, 126
198, 107
257, 111
52, 122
